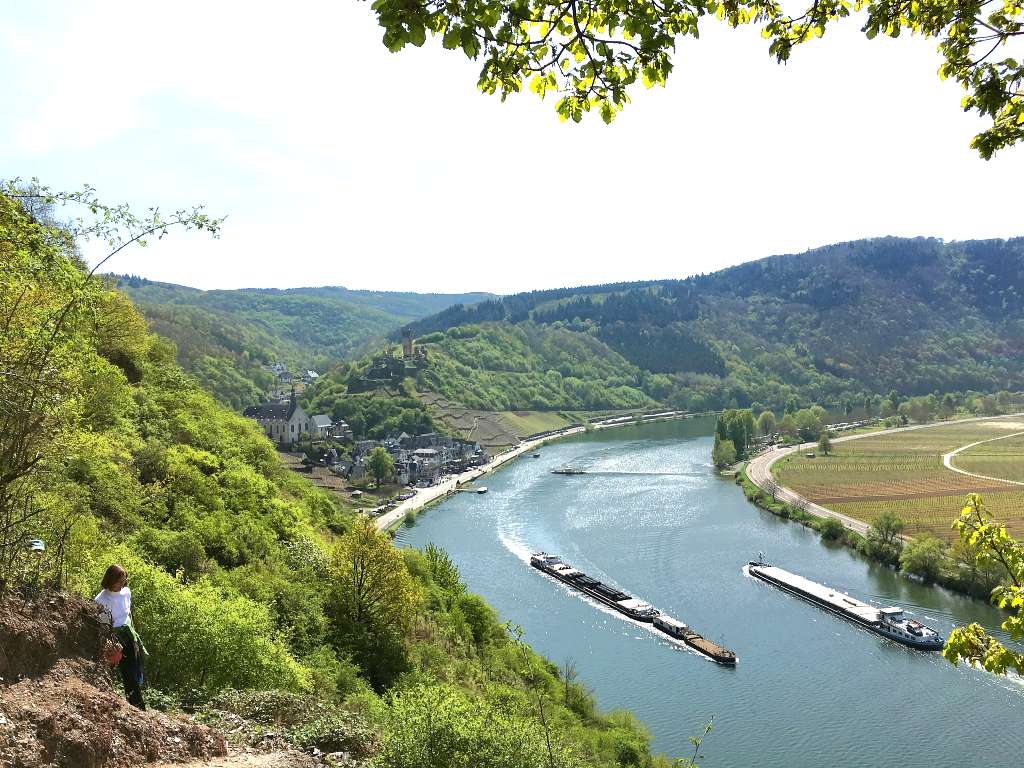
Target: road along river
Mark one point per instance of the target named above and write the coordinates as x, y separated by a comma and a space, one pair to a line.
652, 517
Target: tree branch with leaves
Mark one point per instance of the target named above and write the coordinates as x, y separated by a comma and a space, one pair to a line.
992, 546
593, 52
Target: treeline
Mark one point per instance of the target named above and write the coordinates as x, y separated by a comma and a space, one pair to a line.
250, 586
526, 367
519, 307
738, 430
828, 326
225, 338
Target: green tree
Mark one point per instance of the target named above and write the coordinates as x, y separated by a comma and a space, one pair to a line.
591, 55
380, 464
948, 407
766, 423
980, 575
373, 601
443, 572
884, 535
808, 425
52, 309
831, 528
923, 556
724, 453
993, 545
824, 444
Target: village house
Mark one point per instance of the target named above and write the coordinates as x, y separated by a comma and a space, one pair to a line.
283, 422
342, 431
321, 426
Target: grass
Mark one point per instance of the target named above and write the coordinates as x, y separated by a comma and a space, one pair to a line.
1001, 458
903, 473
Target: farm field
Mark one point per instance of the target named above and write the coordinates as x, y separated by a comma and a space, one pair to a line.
1000, 458
904, 473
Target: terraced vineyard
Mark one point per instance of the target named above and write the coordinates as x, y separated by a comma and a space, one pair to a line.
903, 472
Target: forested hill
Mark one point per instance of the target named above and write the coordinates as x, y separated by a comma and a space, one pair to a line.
831, 325
225, 337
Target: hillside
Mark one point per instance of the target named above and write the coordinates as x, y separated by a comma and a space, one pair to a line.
829, 326
268, 609
225, 337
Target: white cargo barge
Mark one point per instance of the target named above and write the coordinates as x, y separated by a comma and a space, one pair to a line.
888, 622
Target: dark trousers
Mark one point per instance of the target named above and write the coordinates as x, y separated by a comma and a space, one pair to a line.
131, 668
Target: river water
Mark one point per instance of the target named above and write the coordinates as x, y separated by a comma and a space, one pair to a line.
652, 517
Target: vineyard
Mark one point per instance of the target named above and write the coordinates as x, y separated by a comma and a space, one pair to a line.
1000, 458
903, 473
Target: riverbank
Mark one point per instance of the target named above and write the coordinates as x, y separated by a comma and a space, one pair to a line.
654, 520
761, 488
426, 497
759, 470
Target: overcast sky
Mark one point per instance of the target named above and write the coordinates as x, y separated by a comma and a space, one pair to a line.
339, 163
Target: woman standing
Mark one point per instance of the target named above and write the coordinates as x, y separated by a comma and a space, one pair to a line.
116, 597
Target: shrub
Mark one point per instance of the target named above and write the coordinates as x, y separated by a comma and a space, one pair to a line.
437, 726
200, 636
923, 556
831, 529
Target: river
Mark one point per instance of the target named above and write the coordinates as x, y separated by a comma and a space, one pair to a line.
652, 517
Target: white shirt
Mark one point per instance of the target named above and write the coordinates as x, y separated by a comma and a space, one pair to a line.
118, 603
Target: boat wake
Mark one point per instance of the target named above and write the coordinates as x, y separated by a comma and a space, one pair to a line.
632, 473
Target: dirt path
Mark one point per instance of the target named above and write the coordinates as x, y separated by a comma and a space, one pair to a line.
248, 759
947, 459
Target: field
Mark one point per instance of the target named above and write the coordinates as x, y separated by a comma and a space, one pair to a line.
904, 473
1000, 458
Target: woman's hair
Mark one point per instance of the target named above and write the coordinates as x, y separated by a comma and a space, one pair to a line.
112, 576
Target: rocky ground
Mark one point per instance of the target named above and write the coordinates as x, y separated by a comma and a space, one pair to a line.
61, 707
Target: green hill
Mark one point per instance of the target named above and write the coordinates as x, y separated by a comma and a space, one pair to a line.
832, 325
256, 594
224, 338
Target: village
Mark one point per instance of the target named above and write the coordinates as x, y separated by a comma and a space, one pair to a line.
329, 452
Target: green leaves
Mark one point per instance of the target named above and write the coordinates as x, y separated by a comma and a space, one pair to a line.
596, 50
991, 544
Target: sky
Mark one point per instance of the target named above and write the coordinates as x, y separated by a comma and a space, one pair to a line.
338, 163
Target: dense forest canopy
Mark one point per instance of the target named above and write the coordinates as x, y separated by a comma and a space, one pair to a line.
226, 338
829, 326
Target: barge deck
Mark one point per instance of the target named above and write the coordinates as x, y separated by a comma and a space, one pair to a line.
888, 622
624, 603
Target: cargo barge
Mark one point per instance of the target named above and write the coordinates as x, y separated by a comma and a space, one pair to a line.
630, 606
679, 630
568, 471
888, 622
610, 596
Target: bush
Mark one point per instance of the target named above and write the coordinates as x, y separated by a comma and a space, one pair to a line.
200, 636
923, 556
437, 726
831, 529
